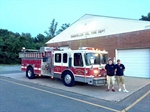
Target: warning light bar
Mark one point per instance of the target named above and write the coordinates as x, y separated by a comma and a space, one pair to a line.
89, 48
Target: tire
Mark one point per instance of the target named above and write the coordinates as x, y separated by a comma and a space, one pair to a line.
68, 79
30, 73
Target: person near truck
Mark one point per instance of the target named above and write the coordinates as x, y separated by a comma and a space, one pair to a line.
120, 68
110, 69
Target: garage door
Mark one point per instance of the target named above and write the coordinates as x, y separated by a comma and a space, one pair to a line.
136, 61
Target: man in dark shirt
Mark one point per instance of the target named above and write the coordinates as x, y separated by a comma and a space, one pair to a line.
120, 75
110, 68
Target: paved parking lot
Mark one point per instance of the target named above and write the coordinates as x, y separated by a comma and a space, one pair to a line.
132, 84
9, 69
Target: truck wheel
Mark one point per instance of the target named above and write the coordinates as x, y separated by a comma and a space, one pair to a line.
30, 73
68, 79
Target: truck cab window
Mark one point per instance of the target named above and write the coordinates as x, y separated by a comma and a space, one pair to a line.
78, 59
58, 57
104, 58
65, 56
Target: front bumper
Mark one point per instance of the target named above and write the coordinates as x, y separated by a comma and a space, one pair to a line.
97, 81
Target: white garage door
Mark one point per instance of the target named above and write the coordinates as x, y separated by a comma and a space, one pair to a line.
136, 61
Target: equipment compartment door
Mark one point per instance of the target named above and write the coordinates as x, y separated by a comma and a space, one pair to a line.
47, 66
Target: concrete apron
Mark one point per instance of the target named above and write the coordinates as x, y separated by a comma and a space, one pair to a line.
132, 85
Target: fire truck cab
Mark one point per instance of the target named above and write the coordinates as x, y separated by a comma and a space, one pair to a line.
83, 65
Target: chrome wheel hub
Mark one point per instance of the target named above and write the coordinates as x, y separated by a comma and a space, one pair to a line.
29, 73
67, 78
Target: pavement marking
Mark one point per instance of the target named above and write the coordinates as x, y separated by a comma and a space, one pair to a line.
138, 100
68, 97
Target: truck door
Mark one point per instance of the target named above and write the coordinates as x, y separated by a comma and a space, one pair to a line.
64, 61
78, 67
57, 63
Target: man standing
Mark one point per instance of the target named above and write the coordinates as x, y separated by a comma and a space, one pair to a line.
110, 68
120, 75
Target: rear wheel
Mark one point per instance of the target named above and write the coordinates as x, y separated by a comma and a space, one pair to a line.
68, 79
30, 73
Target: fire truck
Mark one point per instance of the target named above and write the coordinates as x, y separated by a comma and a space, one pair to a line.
83, 65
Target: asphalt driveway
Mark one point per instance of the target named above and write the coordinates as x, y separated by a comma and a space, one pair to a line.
132, 84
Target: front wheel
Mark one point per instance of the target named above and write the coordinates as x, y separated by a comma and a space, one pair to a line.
30, 73
68, 79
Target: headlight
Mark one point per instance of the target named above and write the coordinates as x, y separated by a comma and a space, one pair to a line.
96, 71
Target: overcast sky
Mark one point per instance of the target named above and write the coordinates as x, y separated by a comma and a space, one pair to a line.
35, 16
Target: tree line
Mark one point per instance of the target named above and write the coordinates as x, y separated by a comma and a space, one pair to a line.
11, 43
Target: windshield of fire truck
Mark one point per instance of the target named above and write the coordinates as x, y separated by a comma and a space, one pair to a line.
98, 58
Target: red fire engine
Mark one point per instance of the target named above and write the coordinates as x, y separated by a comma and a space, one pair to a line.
83, 65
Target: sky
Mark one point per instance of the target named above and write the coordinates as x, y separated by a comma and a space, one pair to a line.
35, 16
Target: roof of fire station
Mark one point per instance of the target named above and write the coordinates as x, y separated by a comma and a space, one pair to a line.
89, 26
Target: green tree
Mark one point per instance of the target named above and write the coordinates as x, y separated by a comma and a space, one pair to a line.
63, 27
40, 38
11, 43
146, 18
52, 29
28, 41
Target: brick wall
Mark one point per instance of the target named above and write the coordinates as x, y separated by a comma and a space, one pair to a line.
137, 39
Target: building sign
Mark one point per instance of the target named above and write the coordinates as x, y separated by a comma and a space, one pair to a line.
88, 33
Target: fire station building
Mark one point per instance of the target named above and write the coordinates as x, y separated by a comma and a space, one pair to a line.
124, 39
